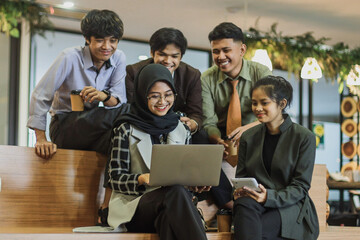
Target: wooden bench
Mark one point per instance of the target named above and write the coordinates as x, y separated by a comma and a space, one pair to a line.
46, 199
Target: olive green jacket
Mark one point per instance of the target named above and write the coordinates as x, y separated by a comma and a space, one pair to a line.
217, 91
291, 172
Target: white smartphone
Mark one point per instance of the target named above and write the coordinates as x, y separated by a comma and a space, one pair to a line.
246, 182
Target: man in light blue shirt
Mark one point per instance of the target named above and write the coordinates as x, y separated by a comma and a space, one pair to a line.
98, 70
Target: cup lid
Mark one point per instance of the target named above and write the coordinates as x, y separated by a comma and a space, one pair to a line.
76, 92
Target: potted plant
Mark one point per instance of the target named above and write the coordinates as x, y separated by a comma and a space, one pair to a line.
13, 11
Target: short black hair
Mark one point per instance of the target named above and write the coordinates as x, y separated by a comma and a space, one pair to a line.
226, 30
165, 36
276, 88
102, 23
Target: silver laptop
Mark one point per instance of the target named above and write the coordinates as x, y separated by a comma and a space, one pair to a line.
188, 165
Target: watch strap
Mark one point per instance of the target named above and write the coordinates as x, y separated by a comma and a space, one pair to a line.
108, 95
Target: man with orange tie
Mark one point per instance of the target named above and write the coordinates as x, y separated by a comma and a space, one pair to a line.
226, 97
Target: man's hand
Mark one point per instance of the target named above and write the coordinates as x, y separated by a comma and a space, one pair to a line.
236, 134
90, 94
44, 148
218, 140
190, 123
200, 189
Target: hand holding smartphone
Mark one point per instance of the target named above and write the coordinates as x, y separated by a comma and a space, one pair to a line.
246, 182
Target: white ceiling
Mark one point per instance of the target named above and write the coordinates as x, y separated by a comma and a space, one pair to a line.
338, 20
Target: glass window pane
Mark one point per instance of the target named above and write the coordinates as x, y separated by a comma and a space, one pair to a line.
4, 87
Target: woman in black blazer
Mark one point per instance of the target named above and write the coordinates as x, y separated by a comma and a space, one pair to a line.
280, 155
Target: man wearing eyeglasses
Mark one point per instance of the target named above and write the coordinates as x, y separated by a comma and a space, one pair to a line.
168, 46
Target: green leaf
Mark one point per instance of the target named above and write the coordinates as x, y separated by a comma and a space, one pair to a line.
341, 87
14, 33
12, 21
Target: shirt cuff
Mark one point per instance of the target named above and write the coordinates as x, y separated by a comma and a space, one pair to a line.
197, 127
122, 99
36, 122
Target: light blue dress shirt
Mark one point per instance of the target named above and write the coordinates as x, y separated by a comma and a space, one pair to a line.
74, 69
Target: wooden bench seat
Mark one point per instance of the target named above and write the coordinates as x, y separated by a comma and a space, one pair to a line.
46, 199
34, 235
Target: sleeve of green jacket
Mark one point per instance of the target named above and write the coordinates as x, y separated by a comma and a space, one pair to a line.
208, 105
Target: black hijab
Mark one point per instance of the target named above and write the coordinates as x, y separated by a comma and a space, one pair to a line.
139, 114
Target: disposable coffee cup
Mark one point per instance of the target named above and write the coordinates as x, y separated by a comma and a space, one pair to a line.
224, 219
231, 149
77, 103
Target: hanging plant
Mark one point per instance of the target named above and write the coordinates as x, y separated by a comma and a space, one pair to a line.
288, 53
13, 11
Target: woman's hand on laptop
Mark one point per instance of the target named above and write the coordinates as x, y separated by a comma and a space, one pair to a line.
144, 179
199, 189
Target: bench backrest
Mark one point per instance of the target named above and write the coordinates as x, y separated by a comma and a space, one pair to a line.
64, 191
318, 192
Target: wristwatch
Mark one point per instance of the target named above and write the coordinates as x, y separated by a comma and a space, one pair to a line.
108, 95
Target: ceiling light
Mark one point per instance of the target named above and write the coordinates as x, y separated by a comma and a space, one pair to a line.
261, 56
68, 4
311, 69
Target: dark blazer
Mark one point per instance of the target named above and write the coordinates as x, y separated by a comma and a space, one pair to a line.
291, 171
187, 86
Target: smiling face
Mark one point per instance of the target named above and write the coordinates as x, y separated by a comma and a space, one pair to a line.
228, 55
170, 57
101, 49
160, 98
266, 109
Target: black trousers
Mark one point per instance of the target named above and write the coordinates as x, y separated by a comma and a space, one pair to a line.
222, 193
252, 221
87, 130
168, 211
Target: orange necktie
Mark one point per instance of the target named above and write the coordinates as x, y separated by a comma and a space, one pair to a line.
233, 118
234, 111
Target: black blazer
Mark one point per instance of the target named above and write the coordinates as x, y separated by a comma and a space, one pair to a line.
291, 172
187, 85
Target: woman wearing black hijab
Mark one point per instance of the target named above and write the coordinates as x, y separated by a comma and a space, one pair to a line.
134, 206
